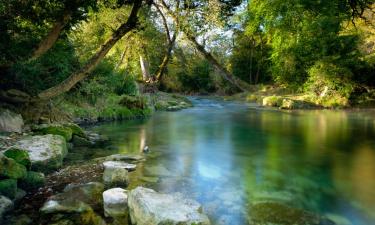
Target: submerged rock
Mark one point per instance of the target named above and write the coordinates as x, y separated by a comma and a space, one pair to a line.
81, 141
147, 207
125, 157
10, 168
10, 121
5, 205
116, 203
158, 170
97, 139
124, 165
90, 193
280, 214
75, 205
46, 151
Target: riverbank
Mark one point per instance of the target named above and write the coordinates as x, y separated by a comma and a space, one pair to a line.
283, 98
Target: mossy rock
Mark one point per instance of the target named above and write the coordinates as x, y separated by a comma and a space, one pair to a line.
76, 130
9, 168
46, 152
19, 155
8, 188
272, 101
56, 129
32, 180
80, 141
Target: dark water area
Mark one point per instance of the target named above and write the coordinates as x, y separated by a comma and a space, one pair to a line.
230, 157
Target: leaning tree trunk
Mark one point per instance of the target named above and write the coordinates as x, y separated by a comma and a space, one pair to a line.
52, 36
167, 56
79, 75
243, 86
171, 41
145, 67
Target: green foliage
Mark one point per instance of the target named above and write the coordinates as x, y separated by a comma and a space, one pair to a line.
331, 82
47, 71
195, 75
302, 33
249, 59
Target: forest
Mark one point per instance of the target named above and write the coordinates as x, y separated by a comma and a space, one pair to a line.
78, 77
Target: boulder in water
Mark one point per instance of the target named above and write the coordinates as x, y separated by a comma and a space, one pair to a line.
75, 205
115, 177
147, 207
116, 203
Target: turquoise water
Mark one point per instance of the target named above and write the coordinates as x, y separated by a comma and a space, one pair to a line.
231, 157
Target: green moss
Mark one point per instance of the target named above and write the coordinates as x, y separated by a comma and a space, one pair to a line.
56, 129
32, 180
8, 188
76, 130
9, 168
21, 156
134, 102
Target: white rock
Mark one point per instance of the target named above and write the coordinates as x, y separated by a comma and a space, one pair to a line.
10, 121
46, 151
147, 207
115, 203
5, 205
117, 164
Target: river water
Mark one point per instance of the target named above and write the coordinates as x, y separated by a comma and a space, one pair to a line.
231, 156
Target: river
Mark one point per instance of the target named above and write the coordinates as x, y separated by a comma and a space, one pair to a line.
230, 156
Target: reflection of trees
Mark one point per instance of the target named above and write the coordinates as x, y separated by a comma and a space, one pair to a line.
354, 177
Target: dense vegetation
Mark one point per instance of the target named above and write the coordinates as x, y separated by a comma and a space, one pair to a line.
89, 50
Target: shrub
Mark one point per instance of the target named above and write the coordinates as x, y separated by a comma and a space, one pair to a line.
330, 83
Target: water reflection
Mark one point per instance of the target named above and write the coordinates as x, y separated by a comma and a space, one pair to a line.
231, 157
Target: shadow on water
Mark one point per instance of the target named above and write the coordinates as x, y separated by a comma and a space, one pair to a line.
233, 158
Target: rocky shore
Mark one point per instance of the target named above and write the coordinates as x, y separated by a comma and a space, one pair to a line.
33, 179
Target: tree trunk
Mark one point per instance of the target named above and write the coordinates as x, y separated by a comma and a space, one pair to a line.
145, 68
52, 36
79, 75
163, 65
171, 41
243, 86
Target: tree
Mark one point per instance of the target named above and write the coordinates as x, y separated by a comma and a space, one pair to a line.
91, 63
189, 22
